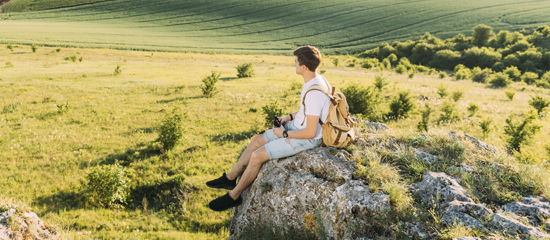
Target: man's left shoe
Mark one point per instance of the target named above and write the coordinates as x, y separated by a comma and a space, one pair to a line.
224, 202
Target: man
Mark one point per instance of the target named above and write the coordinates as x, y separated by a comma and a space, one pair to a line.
298, 132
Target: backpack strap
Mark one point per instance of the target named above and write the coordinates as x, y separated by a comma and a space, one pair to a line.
313, 88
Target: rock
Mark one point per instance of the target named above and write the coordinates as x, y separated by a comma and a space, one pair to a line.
534, 208
466, 213
440, 189
467, 238
313, 191
425, 156
474, 141
24, 225
511, 226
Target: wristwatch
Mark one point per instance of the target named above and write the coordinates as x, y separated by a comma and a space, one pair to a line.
291, 118
285, 133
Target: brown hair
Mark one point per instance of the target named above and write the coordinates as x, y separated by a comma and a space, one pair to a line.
308, 56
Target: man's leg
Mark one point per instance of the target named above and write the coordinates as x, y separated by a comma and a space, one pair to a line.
256, 142
257, 159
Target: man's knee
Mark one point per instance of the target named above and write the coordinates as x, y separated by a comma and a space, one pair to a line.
258, 157
258, 140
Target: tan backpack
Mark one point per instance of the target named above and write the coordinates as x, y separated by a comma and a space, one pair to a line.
338, 131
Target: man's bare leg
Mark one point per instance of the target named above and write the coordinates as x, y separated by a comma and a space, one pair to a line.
257, 159
256, 142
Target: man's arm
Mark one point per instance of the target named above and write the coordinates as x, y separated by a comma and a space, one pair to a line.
308, 132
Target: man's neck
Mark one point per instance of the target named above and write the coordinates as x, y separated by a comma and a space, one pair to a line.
308, 76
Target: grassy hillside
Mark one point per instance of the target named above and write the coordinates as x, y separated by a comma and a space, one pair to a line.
252, 26
59, 118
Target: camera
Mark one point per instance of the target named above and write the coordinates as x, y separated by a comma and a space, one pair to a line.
276, 122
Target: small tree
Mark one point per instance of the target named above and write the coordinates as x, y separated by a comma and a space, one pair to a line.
442, 91
208, 86
271, 111
34, 48
448, 114
106, 186
539, 103
400, 106
10, 47
513, 72
510, 95
118, 69
245, 70
170, 132
380, 82
482, 34
472, 109
499, 80
423, 125
520, 132
456, 95
485, 126
364, 101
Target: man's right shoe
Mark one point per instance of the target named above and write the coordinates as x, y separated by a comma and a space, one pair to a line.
222, 182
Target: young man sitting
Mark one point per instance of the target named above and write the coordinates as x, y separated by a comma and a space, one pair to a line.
299, 131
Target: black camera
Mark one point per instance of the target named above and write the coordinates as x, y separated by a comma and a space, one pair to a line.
276, 122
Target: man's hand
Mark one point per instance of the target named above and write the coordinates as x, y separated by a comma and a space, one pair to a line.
278, 131
284, 119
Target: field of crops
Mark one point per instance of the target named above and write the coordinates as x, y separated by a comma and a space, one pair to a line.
252, 26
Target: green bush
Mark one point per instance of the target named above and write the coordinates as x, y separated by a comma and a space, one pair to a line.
472, 109
442, 91
539, 103
380, 82
118, 69
521, 45
448, 114
364, 101
520, 131
510, 95
208, 86
529, 60
529, 77
480, 57
499, 80
271, 111
422, 53
456, 95
245, 70
442, 75
400, 106
544, 81
482, 34
513, 72
384, 50
10, 47
463, 73
485, 126
34, 48
424, 123
371, 63
335, 61
393, 59
400, 69
481, 75
445, 59
170, 131
106, 186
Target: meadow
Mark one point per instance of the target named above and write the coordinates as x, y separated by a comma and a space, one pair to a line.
252, 26
66, 110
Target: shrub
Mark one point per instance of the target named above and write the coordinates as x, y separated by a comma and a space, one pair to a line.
10, 47
544, 81
386, 64
335, 62
442, 75
384, 50
170, 131
424, 123
529, 60
485, 126
482, 34
400, 69
529, 77
375, 172
442, 91
245, 70
393, 59
446, 59
380, 82
106, 186
208, 86
499, 80
521, 45
513, 72
472, 109
510, 95
118, 69
422, 53
400, 106
480, 57
364, 101
539, 103
400, 198
519, 132
34, 48
463, 73
448, 114
456, 95
481, 75
411, 75
371, 63
271, 111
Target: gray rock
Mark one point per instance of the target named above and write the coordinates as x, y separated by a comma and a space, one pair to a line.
474, 141
534, 208
425, 156
313, 186
24, 225
511, 226
467, 238
440, 189
467, 214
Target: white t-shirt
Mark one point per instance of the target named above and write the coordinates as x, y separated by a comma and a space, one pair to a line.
317, 103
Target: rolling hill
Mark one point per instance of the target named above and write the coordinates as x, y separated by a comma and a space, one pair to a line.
252, 26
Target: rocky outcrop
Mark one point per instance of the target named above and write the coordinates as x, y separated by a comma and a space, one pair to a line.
19, 225
312, 190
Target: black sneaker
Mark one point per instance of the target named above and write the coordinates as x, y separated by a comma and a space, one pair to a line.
224, 202
222, 182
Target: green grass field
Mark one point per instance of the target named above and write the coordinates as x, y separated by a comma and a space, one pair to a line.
252, 26
45, 154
